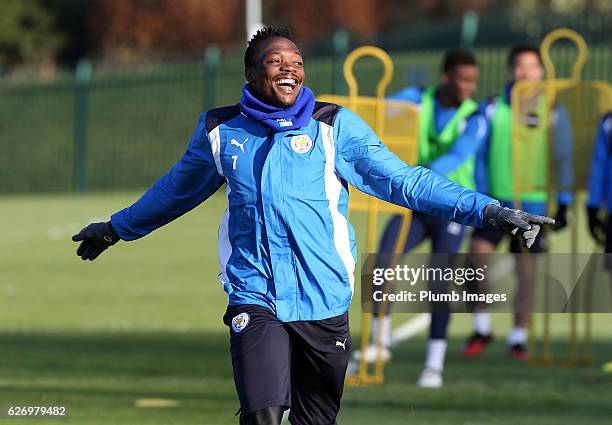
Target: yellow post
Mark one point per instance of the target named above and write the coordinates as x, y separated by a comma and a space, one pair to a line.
400, 134
572, 90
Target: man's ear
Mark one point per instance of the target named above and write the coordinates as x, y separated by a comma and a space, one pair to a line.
249, 75
445, 78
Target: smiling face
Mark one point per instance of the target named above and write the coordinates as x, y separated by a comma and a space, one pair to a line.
277, 74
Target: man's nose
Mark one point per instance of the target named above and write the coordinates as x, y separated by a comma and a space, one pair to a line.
287, 66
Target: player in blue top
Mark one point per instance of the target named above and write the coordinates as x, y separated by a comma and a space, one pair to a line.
600, 188
452, 131
286, 250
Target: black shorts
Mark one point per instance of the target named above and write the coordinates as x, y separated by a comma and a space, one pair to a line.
299, 365
495, 236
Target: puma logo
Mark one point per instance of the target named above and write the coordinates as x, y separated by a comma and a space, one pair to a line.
341, 344
235, 142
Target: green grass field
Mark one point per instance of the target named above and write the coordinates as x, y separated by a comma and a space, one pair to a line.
144, 321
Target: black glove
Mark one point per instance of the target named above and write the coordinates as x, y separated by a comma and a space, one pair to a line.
516, 222
596, 226
95, 237
560, 218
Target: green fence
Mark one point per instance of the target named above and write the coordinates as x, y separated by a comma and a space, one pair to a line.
122, 130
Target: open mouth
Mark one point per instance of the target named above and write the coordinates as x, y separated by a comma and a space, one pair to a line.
287, 85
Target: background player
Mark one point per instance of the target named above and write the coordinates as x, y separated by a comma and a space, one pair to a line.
494, 175
451, 132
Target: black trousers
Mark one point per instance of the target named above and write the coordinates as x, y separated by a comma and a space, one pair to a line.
299, 365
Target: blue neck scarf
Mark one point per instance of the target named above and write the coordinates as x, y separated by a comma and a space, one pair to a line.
276, 117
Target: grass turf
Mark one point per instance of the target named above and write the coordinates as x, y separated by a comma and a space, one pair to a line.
144, 321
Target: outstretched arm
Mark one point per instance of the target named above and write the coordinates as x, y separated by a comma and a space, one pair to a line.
191, 180
366, 163
363, 161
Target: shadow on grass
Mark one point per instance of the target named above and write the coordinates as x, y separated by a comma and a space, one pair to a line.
493, 388
100, 375
116, 353
134, 364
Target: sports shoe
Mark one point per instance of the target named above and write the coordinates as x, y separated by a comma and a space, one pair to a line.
430, 378
476, 344
519, 352
371, 352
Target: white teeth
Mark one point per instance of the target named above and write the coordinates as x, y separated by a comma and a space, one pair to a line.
285, 81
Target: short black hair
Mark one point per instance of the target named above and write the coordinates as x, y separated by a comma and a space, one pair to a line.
518, 50
259, 37
457, 57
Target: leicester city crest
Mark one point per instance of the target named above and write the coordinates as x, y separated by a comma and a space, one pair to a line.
301, 143
240, 322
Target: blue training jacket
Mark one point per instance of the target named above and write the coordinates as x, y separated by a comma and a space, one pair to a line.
600, 184
284, 241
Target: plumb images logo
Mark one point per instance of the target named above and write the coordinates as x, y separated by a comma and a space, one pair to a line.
560, 283
419, 286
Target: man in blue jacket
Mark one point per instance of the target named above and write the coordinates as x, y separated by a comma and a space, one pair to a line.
600, 188
286, 249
